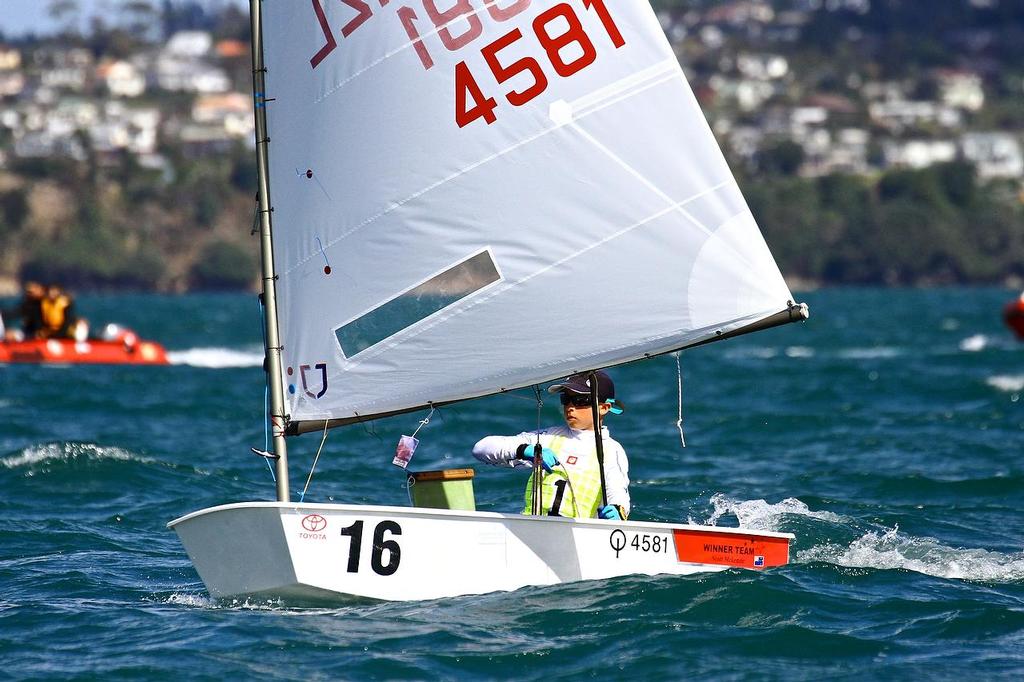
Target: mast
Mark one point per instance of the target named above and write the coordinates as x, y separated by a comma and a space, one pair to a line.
271, 336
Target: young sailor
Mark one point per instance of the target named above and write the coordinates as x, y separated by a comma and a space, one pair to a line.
571, 481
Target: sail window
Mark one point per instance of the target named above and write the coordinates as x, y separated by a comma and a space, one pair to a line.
434, 295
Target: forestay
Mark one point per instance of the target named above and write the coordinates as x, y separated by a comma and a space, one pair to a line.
465, 207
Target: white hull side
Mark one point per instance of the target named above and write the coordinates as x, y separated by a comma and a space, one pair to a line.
310, 551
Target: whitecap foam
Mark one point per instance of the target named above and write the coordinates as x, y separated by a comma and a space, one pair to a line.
870, 353
52, 452
895, 550
799, 352
760, 514
975, 343
204, 601
1005, 382
200, 601
748, 352
215, 358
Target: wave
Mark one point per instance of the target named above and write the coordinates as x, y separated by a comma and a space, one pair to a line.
204, 601
215, 358
886, 549
895, 550
748, 352
1006, 382
973, 344
875, 353
67, 452
762, 515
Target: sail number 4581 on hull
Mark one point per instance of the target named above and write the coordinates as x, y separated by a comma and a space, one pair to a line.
640, 542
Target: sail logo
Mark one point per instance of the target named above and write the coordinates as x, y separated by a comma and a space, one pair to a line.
306, 383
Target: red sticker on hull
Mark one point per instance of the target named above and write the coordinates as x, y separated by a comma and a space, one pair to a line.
730, 549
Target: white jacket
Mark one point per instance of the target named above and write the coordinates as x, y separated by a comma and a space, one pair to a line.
501, 451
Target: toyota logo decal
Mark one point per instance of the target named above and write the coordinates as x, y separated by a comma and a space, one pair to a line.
314, 523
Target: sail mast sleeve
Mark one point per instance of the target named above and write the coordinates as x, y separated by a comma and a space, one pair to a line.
270, 319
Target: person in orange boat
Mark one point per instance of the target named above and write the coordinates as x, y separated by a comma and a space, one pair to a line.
57, 313
29, 311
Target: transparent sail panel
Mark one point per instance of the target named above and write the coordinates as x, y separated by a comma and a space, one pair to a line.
417, 304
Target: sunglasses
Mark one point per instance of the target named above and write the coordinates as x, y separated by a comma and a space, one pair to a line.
575, 400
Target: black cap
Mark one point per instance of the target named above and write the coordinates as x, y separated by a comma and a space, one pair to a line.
580, 384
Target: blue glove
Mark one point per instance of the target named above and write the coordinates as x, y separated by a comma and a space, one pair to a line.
547, 457
610, 512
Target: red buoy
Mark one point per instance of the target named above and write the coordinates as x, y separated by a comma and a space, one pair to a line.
1013, 315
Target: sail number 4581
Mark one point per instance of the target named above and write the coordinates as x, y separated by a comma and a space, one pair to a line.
559, 31
380, 546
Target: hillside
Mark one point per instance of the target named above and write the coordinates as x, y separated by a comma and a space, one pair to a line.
876, 144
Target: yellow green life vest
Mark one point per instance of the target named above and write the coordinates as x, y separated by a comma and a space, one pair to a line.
571, 489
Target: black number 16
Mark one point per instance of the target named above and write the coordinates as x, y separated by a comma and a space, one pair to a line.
355, 531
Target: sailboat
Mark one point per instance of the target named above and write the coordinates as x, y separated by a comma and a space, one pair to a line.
470, 200
1013, 316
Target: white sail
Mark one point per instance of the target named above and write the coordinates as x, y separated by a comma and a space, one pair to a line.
524, 192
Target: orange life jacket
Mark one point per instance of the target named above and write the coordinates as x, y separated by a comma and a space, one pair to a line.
55, 313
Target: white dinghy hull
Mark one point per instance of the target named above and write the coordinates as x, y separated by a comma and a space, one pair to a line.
333, 552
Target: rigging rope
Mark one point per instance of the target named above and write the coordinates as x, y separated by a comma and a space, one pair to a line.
679, 383
424, 421
266, 397
315, 459
538, 488
266, 431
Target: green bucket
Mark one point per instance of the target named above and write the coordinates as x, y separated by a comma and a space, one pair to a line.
447, 489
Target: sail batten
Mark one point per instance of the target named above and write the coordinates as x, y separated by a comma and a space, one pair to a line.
464, 209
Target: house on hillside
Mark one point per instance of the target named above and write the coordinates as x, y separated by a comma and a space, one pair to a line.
189, 44
181, 65
961, 89
124, 128
740, 13
231, 49
121, 78
995, 155
12, 83
230, 113
903, 114
918, 153
66, 68
762, 67
845, 151
10, 58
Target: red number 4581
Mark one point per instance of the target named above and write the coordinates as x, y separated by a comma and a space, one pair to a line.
470, 101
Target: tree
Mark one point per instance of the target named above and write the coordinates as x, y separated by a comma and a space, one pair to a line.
64, 13
783, 157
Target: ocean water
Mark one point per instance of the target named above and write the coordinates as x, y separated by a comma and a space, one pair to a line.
887, 433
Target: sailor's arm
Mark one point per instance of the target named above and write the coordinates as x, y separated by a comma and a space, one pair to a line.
504, 450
